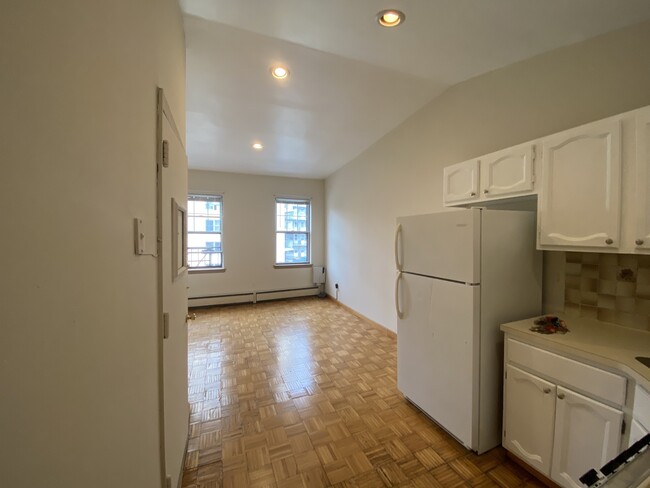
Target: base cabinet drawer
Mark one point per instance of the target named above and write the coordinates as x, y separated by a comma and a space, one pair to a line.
593, 381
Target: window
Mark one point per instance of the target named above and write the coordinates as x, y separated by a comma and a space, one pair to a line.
292, 231
204, 224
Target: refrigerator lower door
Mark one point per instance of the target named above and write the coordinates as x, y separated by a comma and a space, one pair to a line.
436, 347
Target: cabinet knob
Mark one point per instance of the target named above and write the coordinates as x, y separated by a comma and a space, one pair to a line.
473, 194
486, 191
609, 241
547, 390
639, 242
560, 396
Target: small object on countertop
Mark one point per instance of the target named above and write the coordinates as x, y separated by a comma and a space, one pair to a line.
549, 324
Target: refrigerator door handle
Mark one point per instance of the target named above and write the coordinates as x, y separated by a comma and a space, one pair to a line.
398, 234
400, 313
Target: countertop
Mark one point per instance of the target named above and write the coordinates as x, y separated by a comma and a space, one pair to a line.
604, 343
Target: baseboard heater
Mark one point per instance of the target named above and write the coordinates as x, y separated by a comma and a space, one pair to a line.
251, 297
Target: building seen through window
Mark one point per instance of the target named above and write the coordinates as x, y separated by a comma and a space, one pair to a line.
204, 231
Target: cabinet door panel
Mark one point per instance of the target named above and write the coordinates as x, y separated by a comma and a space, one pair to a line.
508, 172
587, 435
580, 198
528, 416
637, 432
642, 204
460, 182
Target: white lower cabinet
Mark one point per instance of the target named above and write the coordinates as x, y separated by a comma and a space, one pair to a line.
529, 415
551, 427
587, 435
640, 425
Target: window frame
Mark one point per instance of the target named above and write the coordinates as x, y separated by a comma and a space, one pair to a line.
297, 200
208, 198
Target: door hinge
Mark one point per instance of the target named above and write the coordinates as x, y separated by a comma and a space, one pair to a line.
623, 427
504, 432
505, 375
165, 153
166, 325
168, 482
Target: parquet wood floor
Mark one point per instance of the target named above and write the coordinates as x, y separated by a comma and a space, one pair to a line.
302, 393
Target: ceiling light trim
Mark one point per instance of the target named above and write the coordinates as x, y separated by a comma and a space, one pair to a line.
279, 72
391, 18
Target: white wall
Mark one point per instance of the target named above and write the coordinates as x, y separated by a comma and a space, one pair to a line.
402, 173
249, 232
78, 310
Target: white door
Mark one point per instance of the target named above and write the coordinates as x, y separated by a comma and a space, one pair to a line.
435, 351
172, 190
460, 182
587, 435
642, 204
508, 172
443, 244
528, 418
580, 198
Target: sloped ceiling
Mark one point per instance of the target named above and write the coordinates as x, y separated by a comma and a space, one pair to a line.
351, 81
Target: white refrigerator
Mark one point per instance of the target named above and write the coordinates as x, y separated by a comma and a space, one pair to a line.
460, 275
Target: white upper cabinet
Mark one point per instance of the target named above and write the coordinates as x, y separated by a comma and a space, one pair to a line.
641, 236
508, 172
460, 182
502, 174
580, 196
592, 184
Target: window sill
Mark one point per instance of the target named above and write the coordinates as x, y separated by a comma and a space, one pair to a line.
297, 265
205, 270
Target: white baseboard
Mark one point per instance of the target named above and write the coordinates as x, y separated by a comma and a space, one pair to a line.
251, 297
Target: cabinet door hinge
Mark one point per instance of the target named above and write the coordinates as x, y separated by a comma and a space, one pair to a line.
166, 325
165, 153
623, 427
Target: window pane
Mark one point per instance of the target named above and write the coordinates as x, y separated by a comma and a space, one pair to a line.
292, 217
292, 248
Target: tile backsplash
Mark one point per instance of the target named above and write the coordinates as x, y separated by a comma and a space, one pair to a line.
609, 287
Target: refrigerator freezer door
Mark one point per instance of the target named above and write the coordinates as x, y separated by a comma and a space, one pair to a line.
443, 245
435, 350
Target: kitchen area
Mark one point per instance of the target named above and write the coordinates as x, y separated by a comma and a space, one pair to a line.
576, 383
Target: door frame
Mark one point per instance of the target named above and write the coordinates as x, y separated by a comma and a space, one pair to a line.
163, 111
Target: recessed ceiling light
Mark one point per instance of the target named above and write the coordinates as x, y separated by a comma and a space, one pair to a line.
258, 146
390, 18
279, 72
